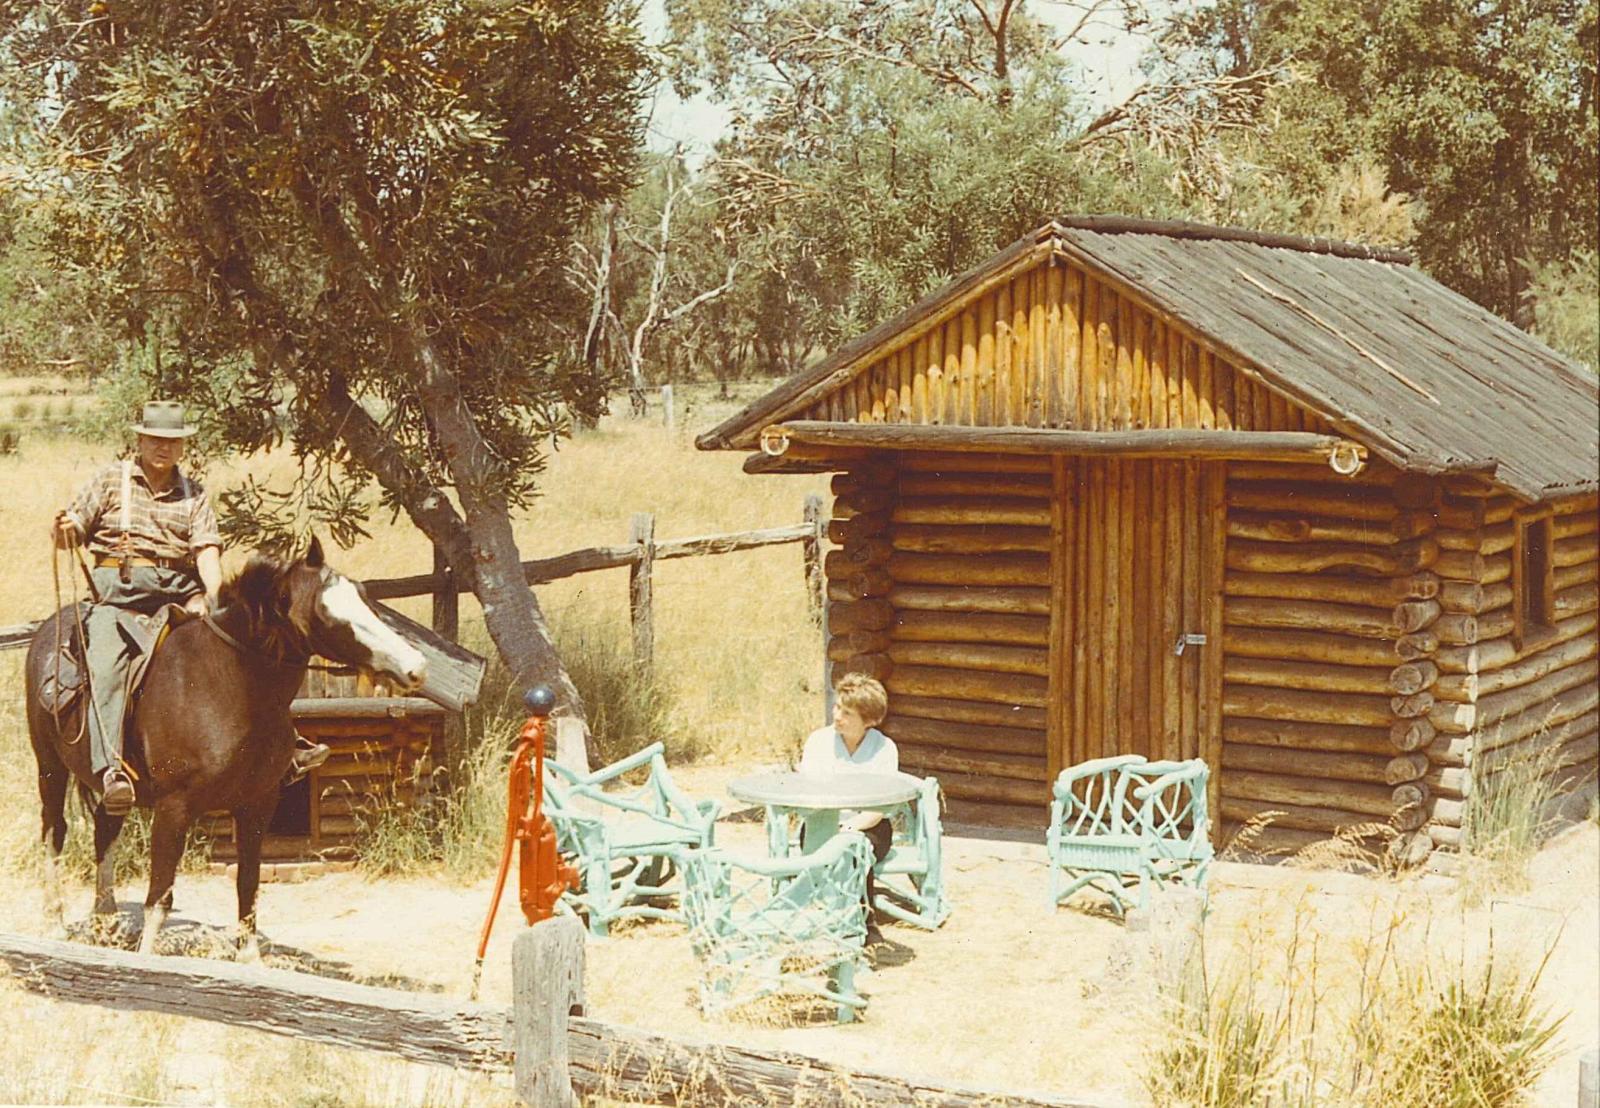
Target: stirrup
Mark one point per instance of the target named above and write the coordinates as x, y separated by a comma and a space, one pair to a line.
116, 792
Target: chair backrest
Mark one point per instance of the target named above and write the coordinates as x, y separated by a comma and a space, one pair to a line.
814, 897
928, 831
1171, 800
1092, 798
658, 797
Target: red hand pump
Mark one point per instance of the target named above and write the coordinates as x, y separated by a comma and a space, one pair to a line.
541, 874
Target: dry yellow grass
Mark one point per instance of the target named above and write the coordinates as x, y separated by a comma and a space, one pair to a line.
735, 649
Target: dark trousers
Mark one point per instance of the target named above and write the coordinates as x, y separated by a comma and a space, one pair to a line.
112, 647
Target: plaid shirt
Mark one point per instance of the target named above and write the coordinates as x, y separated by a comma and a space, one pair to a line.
171, 524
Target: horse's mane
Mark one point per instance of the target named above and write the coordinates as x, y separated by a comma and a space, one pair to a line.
276, 617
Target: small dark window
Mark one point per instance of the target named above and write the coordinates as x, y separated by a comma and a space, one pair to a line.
1533, 579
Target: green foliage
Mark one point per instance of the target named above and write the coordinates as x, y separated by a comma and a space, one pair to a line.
1484, 116
877, 153
300, 206
1566, 306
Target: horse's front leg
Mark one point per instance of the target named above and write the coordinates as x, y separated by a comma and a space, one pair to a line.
169, 830
106, 830
249, 831
53, 781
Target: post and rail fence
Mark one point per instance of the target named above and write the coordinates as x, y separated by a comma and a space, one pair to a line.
639, 554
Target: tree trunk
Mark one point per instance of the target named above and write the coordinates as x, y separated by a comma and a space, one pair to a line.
510, 610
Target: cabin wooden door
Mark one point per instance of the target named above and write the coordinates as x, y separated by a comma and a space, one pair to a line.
1137, 566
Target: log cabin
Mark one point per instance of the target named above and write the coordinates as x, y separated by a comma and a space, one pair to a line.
1286, 504
387, 752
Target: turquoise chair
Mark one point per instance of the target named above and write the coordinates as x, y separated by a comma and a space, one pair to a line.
794, 926
1124, 824
910, 879
626, 843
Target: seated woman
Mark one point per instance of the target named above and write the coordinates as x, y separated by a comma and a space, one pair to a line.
855, 745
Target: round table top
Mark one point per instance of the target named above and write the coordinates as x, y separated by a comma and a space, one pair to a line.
825, 790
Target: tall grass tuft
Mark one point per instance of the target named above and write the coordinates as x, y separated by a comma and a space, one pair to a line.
1469, 1036
628, 706
1222, 1047
1382, 1018
1505, 820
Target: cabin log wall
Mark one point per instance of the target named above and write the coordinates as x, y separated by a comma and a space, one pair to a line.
1329, 637
1359, 634
1498, 705
941, 589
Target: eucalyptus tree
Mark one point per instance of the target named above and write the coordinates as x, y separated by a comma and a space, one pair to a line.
344, 224
1484, 114
878, 149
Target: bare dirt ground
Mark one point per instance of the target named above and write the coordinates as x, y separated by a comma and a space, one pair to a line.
1011, 994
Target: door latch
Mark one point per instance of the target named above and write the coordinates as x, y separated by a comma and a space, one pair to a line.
1187, 639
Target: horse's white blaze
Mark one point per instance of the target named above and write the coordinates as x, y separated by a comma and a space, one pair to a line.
343, 604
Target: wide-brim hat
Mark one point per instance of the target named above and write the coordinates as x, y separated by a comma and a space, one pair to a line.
164, 420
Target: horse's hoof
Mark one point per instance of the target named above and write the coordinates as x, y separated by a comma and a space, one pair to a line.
250, 952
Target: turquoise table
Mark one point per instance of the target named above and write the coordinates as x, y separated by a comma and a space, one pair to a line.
818, 798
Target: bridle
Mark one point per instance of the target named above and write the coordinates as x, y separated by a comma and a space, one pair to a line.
283, 663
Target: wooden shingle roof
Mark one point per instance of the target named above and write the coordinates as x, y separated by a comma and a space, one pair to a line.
1421, 375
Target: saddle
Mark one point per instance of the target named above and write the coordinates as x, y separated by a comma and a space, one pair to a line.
66, 675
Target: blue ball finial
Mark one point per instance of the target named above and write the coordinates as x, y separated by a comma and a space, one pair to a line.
540, 699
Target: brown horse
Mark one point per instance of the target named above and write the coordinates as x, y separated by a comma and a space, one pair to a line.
211, 730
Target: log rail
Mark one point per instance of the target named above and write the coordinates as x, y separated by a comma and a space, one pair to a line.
637, 555
603, 1059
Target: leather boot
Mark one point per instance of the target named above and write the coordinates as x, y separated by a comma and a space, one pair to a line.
307, 757
116, 795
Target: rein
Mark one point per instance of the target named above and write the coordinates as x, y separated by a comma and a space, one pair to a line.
77, 618
251, 652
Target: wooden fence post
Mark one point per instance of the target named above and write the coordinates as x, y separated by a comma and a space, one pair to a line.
643, 534
1589, 1080
666, 405
546, 988
811, 550
446, 600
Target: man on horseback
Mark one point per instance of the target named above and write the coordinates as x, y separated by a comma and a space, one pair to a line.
154, 540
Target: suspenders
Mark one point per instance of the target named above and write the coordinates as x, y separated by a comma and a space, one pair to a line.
125, 521
125, 516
